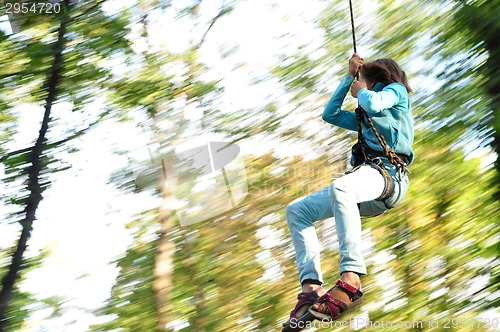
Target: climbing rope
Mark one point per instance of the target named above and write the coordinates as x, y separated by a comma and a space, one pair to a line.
389, 153
352, 27
392, 156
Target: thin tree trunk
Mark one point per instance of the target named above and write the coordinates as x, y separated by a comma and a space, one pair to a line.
35, 188
164, 267
10, 278
164, 259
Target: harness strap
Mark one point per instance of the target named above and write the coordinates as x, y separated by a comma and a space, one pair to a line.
389, 153
389, 185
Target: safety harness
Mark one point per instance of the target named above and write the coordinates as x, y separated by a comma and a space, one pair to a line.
363, 155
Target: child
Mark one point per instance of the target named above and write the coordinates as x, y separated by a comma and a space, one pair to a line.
382, 91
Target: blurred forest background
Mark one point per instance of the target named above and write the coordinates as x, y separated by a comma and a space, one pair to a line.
83, 90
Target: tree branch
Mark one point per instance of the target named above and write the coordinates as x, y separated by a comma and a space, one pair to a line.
87, 10
221, 13
54, 144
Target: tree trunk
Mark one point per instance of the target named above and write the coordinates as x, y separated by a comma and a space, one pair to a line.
164, 259
164, 266
10, 278
34, 186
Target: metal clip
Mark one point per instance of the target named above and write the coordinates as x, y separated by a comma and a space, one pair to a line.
402, 171
377, 161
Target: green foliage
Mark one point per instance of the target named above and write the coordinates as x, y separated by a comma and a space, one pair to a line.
19, 309
35, 59
132, 299
443, 222
434, 255
221, 263
442, 237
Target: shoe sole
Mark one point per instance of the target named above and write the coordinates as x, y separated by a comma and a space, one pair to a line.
328, 318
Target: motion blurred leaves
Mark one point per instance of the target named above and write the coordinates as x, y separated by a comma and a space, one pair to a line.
434, 255
51, 59
441, 243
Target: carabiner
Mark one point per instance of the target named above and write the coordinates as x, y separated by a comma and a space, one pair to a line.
377, 161
401, 171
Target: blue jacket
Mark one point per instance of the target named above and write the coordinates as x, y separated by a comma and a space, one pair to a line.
388, 106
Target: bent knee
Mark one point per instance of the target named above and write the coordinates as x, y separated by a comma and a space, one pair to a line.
297, 214
291, 211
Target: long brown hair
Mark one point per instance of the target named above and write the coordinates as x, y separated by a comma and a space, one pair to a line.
385, 71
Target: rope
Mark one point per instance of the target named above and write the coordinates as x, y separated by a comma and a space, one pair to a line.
390, 154
352, 26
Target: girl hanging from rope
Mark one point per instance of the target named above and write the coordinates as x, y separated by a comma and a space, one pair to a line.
377, 182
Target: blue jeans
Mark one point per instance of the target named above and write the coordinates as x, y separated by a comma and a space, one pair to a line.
346, 199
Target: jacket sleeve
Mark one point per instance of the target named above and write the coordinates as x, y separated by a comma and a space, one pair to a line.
375, 102
333, 113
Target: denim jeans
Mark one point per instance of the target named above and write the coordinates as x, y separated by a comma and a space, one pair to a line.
346, 199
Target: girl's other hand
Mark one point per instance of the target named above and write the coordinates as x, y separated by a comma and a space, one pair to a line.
356, 86
355, 64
